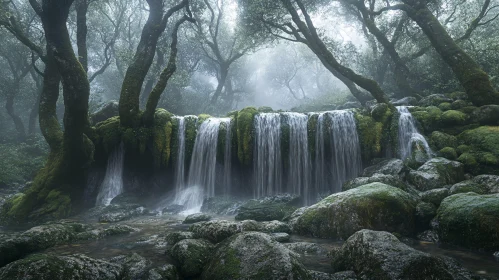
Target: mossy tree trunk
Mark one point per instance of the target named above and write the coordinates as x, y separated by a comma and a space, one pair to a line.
58, 187
474, 80
134, 78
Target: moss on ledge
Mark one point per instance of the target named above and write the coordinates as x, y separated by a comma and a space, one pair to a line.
245, 134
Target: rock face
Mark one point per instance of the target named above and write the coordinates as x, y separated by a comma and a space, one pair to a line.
47, 267
191, 255
374, 206
380, 255
435, 196
217, 231
436, 173
391, 180
392, 166
105, 112
268, 209
470, 220
254, 255
198, 217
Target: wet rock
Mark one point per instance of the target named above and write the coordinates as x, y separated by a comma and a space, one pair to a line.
380, 255
394, 167
470, 220
275, 226
173, 209
305, 248
48, 267
198, 217
166, 271
173, 237
344, 275
435, 196
425, 212
436, 173
254, 255
491, 182
406, 101
106, 111
268, 209
134, 266
217, 231
391, 180
376, 206
191, 255
468, 186
115, 213
105, 232
280, 236
38, 238
429, 236
220, 205
434, 100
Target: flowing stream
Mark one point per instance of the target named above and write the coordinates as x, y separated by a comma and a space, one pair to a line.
112, 185
409, 135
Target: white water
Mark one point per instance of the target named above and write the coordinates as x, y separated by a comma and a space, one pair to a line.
267, 155
191, 198
227, 182
112, 185
299, 158
179, 176
408, 134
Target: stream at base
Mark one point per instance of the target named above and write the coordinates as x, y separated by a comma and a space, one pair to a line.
148, 243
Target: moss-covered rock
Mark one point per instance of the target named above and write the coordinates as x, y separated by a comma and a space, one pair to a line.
444, 106
254, 255
483, 154
425, 212
217, 231
430, 118
74, 267
453, 117
380, 255
197, 217
191, 255
268, 209
394, 167
162, 138
105, 111
436, 173
448, 153
441, 140
109, 132
370, 136
245, 134
375, 206
390, 180
482, 184
459, 104
470, 220
435, 196
434, 100
134, 266
486, 115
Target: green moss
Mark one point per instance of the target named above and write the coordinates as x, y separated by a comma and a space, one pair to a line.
461, 149
430, 118
488, 159
453, 117
482, 154
162, 138
245, 134
190, 137
202, 118
370, 136
441, 140
468, 160
448, 153
444, 106
265, 109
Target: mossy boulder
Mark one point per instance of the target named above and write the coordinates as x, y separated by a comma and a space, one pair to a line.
268, 209
430, 118
49, 267
162, 138
134, 266
394, 167
436, 173
370, 136
441, 140
434, 100
486, 115
444, 106
245, 134
482, 184
217, 231
191, 255
470, 220
105, 111
375, 206
448, 153
390, 180
483, 154
253, 255
197, 217
425, 212
380, 255
435, 196
453, 117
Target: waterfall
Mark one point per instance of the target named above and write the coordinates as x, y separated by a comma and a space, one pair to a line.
343, 148
227, 182
112, 185
267, 155
179, 177
408, 134
299, 158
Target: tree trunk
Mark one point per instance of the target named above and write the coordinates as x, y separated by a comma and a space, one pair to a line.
473, 79
81, 32
224, 72
9, 105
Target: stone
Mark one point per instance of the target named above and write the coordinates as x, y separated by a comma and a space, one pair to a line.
429, 236
198, 217
275, 226
49, 267
134, 266
254, 255
305, 248
105, 111
380, 255
280, 237
112, 230
268, 209
375, 206
175, 236
436, 173
116, 213
435, 196
470, 220
217, 231
434, 100
191, 255
394, 167
391, 180
425, 212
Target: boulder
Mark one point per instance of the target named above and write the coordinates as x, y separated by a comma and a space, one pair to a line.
435, 196
268, 209
425, 212
175, 236
434, 100
391, 180
220, 205
483, 154
191, 255
394, 167
380, 255
441, 140
280, 237
116, 213
486, 115
105, 111
436, 173
217, 231
454, 118
374, 206
134, 266
304, 248
254, 255
49, 267
198, 217
470, 220
274, 226
448, 153
100, 233
481, 184
166, 271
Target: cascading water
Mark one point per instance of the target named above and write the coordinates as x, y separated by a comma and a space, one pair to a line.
408, 134
179, 176
299, 158
346, 162
267, 155
112, 185
227, 182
